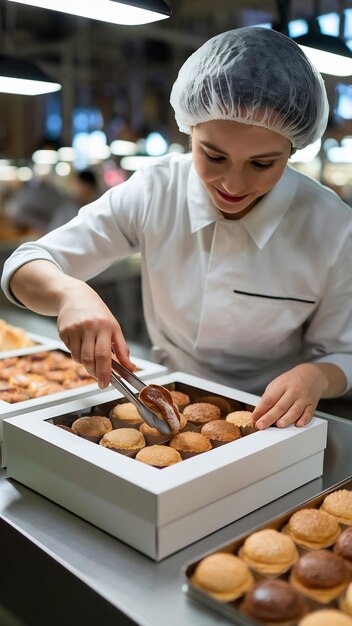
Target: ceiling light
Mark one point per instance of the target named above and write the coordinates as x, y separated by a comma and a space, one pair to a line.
127, 12
23, 77
330, 55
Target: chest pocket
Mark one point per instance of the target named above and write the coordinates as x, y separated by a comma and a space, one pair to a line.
253, 324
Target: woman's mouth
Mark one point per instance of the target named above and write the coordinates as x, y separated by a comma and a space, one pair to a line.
233, 199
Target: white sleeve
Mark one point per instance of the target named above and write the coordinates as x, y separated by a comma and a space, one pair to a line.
103, 232
328, 337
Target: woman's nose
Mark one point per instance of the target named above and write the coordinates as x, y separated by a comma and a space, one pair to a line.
234, 181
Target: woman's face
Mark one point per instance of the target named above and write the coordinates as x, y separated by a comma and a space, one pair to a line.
238, 163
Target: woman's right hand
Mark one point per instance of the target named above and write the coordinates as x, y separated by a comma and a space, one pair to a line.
90, 331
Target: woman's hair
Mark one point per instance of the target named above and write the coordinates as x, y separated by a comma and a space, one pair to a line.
254, 76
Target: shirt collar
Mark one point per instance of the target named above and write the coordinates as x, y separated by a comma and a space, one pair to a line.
261, 222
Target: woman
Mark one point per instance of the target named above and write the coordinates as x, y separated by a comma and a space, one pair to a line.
245, 262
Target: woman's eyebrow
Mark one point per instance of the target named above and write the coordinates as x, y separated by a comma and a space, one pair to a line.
210, 146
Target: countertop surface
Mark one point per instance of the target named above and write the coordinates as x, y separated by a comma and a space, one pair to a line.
135, 588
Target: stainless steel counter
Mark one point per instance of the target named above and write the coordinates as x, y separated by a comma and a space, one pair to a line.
113, 579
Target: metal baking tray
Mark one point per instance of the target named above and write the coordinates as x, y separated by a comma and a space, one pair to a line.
231, 610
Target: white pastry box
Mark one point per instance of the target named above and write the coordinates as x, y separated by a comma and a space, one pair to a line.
145, 369
160, 511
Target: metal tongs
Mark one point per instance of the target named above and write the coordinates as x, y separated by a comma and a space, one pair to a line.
145, 412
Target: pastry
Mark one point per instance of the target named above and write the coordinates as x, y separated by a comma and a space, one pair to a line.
127, 441
326, 617
13, 338
320, 575
92, 427
244, 421
159, 456
159, 400
274, 602
152, 435
14, 395
313, 528
223, 576
180, 399
345, 602
339, 504
220, 432
125, 415
219, 401
343, 546
269, 552
189, 444
199, 413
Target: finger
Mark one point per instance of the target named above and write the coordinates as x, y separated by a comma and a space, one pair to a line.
103, 359
122, 351
276, 411
294, 413
266, 403
66, 340
306, 416
75, 342
87, 356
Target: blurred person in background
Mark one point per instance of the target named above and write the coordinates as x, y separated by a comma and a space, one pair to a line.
246, 263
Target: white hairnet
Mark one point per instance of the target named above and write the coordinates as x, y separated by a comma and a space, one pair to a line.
255, 76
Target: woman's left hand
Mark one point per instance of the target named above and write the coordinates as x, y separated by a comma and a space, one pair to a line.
291, 398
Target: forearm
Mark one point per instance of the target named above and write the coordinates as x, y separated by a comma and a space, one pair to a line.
41, 286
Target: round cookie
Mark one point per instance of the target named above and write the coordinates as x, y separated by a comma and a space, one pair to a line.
312, 528
320, 575
339, 504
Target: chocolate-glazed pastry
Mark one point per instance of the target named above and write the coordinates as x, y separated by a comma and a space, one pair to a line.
343, 546
274, 602
159, 400
320, 575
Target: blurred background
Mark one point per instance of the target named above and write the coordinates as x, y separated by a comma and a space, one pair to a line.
61, 150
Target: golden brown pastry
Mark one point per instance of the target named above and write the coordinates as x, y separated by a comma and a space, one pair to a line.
219, 401
345, 602
126, 441
12, 337
199, 413
180, 399
189, 444
159, 400
220, 432
320, 575
92, 427
242, 419
269, 552
126, 415
223, 576
313, 528
274, 602
158, 456
326, 617
339, 504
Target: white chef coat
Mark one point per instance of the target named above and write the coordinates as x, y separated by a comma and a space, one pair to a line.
235, 301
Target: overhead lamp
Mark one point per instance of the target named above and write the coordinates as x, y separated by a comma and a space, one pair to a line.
330, 55
127, 12
20, 76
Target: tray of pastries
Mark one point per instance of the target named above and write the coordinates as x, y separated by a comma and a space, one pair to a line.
294, 571
205, 422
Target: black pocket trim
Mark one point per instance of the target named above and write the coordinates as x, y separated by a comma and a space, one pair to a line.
261, 295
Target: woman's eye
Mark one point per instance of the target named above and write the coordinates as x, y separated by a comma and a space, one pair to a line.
262, 165
214, 158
